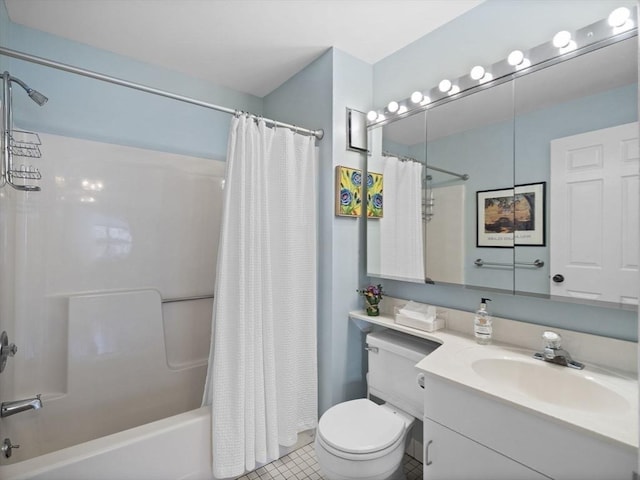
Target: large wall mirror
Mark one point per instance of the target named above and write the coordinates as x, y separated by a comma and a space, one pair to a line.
529, 186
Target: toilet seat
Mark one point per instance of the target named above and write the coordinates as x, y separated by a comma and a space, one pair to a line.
360, 428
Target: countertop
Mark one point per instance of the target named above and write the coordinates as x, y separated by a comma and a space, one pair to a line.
453, 361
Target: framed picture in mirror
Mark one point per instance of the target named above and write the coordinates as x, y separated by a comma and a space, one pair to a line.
495, 218
529, 213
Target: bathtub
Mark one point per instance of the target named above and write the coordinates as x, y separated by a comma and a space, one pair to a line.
174, 448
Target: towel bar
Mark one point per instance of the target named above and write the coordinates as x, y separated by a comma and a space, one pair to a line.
536, 263
186, 299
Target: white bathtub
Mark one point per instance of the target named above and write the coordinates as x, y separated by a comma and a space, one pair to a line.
174, 448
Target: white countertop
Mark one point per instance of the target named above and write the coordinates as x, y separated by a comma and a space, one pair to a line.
453, 361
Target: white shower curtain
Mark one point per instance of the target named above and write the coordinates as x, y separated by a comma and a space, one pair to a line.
262, 380
401, 228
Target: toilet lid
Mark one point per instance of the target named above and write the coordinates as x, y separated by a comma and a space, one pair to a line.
360, 426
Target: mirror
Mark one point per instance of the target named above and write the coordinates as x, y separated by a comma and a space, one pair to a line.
576, 138
470, 218
395, 234
506, 138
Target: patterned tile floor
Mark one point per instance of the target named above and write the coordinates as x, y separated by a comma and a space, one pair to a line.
302, 464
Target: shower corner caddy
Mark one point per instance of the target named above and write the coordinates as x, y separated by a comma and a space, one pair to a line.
18, 143
25, 144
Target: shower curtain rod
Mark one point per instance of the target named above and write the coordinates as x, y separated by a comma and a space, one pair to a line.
143, 88
463, 176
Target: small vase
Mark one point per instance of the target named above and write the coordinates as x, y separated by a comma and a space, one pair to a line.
373, 309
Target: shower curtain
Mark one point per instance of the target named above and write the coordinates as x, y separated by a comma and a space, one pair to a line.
401, 229
262, 380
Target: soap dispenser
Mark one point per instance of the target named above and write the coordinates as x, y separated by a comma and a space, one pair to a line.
482, 324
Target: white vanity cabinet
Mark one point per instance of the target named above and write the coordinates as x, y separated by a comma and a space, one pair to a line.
472, 435
451, 456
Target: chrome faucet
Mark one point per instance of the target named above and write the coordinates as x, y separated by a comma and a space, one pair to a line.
554, 353
11, 408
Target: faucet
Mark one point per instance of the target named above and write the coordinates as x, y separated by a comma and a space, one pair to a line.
11, 408
554, 353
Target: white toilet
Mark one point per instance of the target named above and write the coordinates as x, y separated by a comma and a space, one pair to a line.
360, 439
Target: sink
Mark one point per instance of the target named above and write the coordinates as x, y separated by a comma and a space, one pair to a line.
553, 384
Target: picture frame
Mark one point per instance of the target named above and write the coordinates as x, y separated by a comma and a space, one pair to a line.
375, 195
494, 225
529, 214
348, 196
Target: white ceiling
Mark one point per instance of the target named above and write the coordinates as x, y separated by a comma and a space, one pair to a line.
251, 46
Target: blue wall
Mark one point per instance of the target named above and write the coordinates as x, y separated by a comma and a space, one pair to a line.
485, 35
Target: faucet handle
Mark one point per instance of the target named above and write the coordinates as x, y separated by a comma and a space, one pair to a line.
551, 339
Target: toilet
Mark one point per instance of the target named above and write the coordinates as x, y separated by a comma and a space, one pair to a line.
361, 439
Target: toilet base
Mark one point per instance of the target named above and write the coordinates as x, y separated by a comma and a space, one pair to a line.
335, 468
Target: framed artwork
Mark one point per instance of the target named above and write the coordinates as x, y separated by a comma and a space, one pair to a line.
374, 195
495, 218
348, 192
529, 214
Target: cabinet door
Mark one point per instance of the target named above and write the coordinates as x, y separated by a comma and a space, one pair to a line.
451, 456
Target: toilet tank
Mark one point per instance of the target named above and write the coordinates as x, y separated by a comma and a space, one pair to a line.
392, 375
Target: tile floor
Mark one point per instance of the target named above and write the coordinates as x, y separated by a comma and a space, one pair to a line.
303, 465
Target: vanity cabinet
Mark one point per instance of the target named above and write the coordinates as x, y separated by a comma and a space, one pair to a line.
451, 456
472, 435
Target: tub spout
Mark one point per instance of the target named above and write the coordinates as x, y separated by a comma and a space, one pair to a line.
11, 408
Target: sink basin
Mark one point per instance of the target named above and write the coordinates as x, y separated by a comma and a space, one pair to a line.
553, 384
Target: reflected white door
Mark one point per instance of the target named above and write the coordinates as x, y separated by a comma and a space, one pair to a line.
594, 215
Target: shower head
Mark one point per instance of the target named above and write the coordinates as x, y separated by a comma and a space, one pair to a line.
35, 95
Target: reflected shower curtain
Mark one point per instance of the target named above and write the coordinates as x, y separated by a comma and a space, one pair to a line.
401, 228
262, 377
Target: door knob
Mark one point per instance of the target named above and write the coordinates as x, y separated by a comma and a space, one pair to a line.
558, 278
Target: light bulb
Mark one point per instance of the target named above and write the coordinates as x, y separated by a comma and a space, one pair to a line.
393, 107
425, 100
372, 115
445, 85
454, 89
561, 39
486, 78
402, 109
515, 58
619, 17
416, 97
477, 72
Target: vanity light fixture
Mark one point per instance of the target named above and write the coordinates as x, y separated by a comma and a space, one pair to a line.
477, 72
563, 42
515, 58
518, 60
620, 21
454, 89
445, 86
417, 97
480, 74
561, 39
619, 17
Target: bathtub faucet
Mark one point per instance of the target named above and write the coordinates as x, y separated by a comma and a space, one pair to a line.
11, 408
